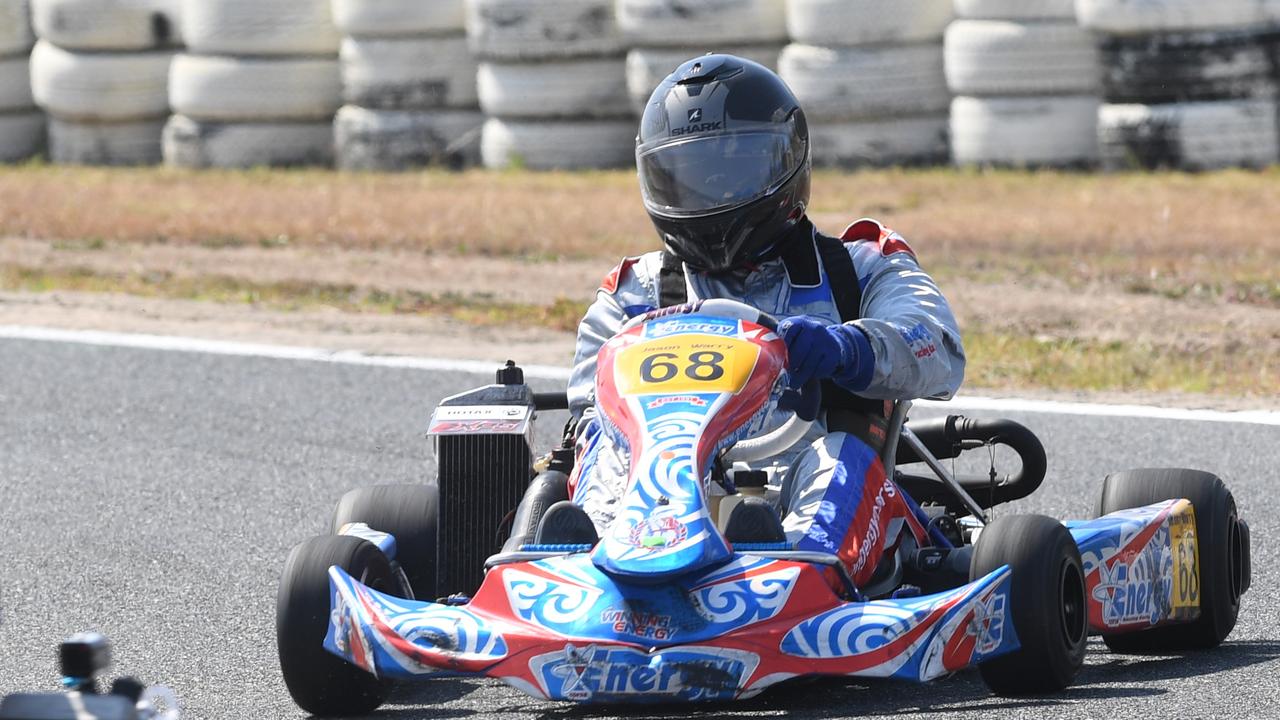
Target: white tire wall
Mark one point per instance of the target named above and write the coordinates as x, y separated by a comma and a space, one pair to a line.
682, 23
399, 18
1135, 17
1190, 136
648, 67
229, 89
537, 29
21, 135
391, 140
408, 73
860, 22
575, 89
995, 57
259, 27
866, 82
107, 24
15, 27
894, 141
1023, 10
100, 86
585, 145
1024, 131
192, 143
124, 143
15, 84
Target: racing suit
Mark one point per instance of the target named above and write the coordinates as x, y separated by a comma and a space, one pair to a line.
831, 487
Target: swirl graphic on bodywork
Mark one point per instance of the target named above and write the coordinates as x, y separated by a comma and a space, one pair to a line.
851, 630
449, 629
547, 602
667, 487
748, 600
405, 637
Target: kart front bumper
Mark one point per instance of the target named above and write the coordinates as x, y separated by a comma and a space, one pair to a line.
558, 629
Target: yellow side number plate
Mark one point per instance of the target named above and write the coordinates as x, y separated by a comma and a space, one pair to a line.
685, 364
1186, 558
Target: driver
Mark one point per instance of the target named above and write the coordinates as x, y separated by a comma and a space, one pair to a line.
724, 163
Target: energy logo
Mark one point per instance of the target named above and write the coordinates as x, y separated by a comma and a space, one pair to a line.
603, 673
987, 624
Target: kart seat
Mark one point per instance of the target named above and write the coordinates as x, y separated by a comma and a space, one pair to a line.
754, 521
565, 523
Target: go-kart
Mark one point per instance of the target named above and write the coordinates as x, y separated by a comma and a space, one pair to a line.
411, 583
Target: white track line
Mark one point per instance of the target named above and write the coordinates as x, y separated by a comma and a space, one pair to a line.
548, 372
277, 352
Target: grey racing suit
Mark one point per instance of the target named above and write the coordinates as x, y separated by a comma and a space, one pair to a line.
910, 326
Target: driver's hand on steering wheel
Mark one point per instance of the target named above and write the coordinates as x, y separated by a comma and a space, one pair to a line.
818, 351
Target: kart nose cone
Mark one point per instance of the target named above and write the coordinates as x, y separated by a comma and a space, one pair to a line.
661, 546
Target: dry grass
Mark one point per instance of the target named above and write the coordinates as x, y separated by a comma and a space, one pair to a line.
508, 214
290, 296
1062, 280
998, 356
1001, 359
1169, 234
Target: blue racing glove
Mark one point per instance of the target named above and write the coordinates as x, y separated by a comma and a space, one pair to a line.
821, 351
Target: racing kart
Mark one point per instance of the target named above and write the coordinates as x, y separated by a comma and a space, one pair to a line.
415, 580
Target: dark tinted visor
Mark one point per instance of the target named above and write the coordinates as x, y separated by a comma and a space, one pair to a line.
709, 174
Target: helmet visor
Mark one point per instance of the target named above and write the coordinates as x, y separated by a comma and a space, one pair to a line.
709, 174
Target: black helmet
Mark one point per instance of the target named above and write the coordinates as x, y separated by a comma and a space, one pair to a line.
723, 157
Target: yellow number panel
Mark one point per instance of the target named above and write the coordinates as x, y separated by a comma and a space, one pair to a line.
1186, 557
685, 364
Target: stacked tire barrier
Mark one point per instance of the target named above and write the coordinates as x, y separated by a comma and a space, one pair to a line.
21, 123
258, 86
100, 71
662, 34
1026, 78
552, 82
870, 77
409, 86
1188, 85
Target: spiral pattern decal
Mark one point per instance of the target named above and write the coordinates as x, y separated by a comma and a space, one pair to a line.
392, 637
548, 602
852, 630
749, 600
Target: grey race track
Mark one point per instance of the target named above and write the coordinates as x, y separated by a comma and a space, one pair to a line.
154, 495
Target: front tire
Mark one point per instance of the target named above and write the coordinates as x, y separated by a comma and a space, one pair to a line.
321, 683
1047, 602
410, 514
1222, 554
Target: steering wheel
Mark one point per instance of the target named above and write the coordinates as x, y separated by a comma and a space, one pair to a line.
803, 403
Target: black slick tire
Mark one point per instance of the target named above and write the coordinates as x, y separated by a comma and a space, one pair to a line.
319, 682
410, 514
1222, 554
1046, 601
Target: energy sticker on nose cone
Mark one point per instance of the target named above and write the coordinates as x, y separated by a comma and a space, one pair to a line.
690, 363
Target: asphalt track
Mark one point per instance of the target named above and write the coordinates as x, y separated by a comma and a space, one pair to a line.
154, 495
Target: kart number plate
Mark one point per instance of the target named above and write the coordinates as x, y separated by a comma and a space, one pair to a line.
1186, 565
686, 364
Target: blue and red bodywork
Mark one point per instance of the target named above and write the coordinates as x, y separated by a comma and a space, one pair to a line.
561, 629
664, 608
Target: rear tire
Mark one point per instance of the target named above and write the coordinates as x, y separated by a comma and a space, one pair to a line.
1220, 549
1046, 599
410, 514
321, 683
